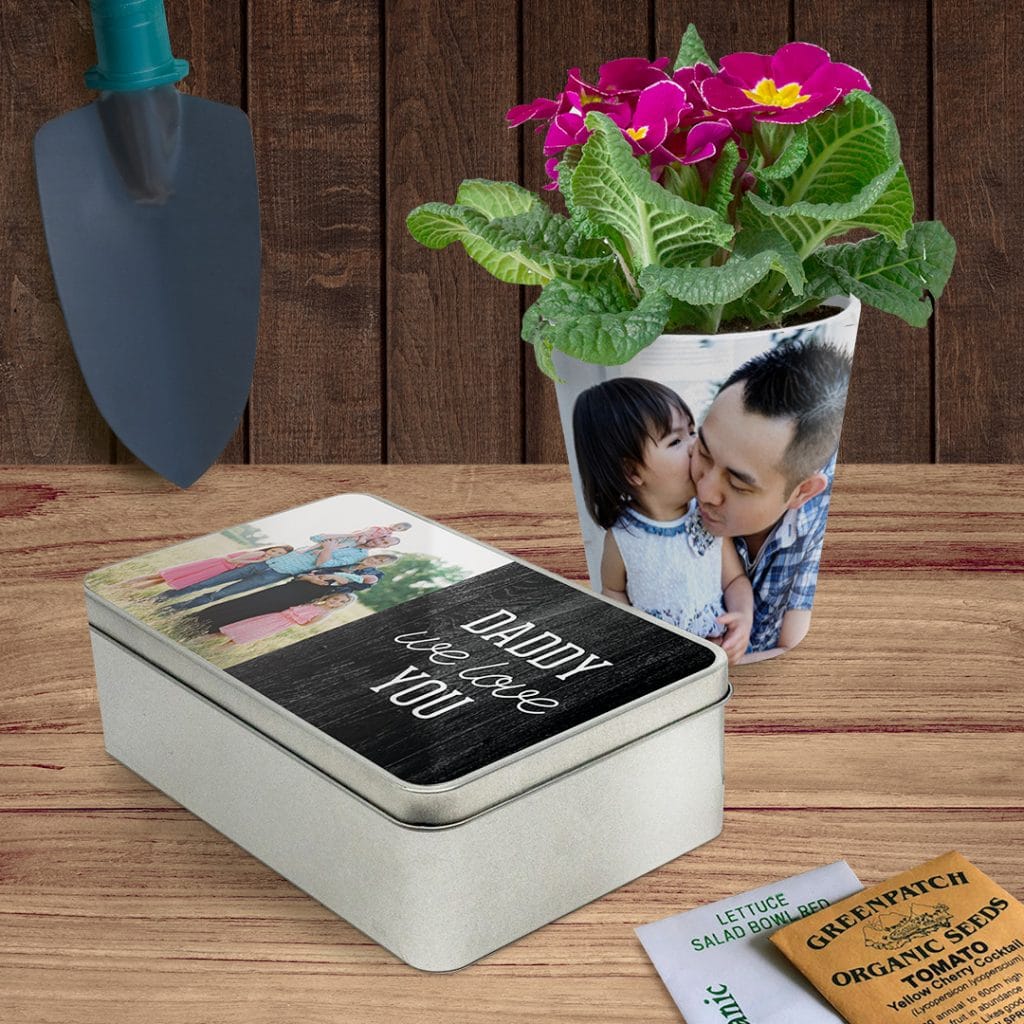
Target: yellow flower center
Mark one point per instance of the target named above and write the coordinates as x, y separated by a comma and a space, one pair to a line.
636, 134
589, 97
769, 95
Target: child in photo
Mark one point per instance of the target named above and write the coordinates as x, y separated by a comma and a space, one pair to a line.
259, 627
632, 440
178, 576
301, 590
371, 537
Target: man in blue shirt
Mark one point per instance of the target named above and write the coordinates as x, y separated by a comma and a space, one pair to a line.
325, 555
762, 465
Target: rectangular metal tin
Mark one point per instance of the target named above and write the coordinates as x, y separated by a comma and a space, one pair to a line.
457, 799
439, 897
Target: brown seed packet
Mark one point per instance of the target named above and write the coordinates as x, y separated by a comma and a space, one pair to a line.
939, 944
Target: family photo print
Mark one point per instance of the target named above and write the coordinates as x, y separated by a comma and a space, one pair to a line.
251, 589
703, 483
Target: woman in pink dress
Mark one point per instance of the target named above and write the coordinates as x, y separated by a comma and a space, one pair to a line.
259, 627
178, 576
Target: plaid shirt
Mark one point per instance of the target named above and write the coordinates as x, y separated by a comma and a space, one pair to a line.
785, 572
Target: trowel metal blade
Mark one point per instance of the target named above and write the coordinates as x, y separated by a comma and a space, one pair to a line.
151, 214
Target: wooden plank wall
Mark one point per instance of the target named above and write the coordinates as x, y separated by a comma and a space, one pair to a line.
373, 349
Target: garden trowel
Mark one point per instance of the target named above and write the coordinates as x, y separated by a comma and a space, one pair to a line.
152, 221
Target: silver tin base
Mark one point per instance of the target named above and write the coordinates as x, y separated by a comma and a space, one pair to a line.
438, 897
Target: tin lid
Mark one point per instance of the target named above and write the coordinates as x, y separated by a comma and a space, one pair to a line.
434, 675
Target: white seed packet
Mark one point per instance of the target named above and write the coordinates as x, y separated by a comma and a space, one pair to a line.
720, 968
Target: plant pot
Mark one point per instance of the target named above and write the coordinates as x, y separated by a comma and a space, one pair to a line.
782, 563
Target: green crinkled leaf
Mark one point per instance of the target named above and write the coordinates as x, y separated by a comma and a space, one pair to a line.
893, 214
692, 51
683, 180
720, 193
786, 261
848, 148
684, 318
436, 225
528, 248
886, 276
712, 286
750, 312
580, 222
594, 325
495, 198
532, 332
545, 363
566, 167
807, 226
789, 145
851, 161
613, 192
552, 242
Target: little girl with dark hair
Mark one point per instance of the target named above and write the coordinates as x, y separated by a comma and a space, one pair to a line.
632, 440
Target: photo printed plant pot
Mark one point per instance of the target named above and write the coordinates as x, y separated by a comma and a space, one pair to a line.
444, 744
702, 471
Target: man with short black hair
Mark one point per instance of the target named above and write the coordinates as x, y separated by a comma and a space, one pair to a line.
762, 464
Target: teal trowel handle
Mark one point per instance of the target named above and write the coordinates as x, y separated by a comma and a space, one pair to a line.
133, 49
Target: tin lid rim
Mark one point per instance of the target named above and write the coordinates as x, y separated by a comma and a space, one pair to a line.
393, 819
366, 774
408, 788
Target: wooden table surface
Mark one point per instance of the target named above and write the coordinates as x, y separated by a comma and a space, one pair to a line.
893, 733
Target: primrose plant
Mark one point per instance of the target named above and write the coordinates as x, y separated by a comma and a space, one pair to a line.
700, 197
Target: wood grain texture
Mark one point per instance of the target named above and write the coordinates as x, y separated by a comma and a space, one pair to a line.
725, 27
217, 936
314, 100
72, 773
980, 374
454, 363
891, 734
46, 413
348, 142
869, 36
557, 36
211, 40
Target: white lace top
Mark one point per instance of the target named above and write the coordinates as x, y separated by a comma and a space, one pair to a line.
673, 569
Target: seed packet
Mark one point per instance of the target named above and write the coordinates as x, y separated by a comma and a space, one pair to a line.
717, 962
939, 944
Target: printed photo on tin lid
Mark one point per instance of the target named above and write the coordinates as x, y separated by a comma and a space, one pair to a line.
393, 634
251, 589
706, 482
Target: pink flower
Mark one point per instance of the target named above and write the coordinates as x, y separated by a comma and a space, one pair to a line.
789, 87
701, 141
551, 168
539, 110
564, 118
568, 126
690, 79
661, 114
660, 108
630, 75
